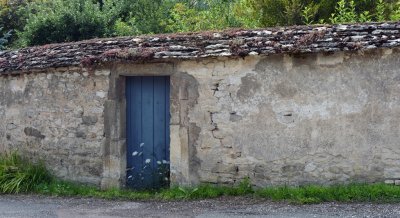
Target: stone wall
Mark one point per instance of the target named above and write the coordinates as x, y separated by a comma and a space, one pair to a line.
288, 105
281, 119
287, 119
56, 116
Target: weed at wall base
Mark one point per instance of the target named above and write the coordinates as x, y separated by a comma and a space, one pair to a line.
19, 175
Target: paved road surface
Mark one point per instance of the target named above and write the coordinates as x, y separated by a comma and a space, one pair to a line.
34, 206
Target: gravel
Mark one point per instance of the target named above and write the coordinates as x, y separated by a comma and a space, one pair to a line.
39, 206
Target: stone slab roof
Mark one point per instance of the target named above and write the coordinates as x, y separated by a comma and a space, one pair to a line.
230, 43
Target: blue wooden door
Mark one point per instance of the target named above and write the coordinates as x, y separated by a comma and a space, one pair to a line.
147, 103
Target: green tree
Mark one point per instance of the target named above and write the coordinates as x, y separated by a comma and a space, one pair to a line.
290, 12
381, 11
364, 11
309, 13
345, 12
37, 22
148, 15
126, 28
395, 14
67, 20
4, 39
13, 16
246, 15
212, 15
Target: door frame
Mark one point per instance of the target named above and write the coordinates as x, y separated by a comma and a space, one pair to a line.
142, 130
114, 146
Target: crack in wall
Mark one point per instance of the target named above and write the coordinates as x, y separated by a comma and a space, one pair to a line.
214, 125
216, 88
215, 128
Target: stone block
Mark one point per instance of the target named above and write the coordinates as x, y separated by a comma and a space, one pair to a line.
389, 182
102, 72
89, 120
30, 131
225, 168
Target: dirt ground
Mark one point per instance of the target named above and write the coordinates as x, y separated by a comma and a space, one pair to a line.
39, 206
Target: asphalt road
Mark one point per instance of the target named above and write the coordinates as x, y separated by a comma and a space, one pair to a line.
36, 206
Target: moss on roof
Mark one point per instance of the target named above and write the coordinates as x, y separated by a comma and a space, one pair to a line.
229, 43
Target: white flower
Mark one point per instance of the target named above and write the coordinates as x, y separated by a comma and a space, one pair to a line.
158, 162
141, 144
148, 161
165, 162
135, 153
130, 177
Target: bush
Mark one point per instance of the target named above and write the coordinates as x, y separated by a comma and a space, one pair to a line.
212, 15
395, 15
4, 39
381, 11
40, 22
183, 19
148, 15
13, 16
19, 175
67, 20
290, 12
345, 12
128, 28
245, 14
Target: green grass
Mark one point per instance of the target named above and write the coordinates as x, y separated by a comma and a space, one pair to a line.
376, 193
18, 175
68, 189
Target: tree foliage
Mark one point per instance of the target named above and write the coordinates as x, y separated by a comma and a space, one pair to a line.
37, 22
4, 39
67, 20
213, 15
395, 15
12, 16
290, 12
147, 14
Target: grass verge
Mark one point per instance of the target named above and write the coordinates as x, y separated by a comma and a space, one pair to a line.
374, 193
18, 175
68, 189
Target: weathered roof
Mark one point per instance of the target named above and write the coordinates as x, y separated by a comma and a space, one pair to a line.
156, 48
